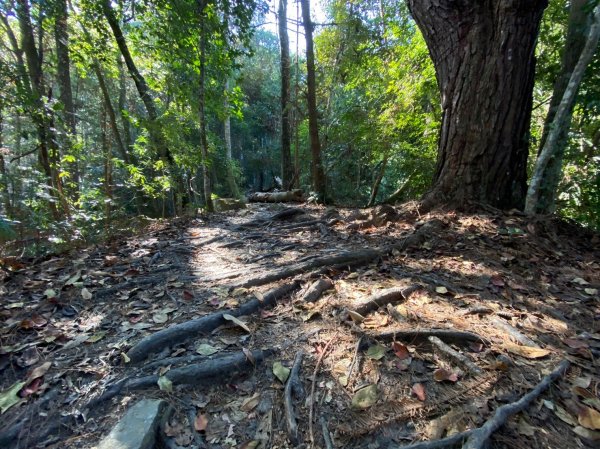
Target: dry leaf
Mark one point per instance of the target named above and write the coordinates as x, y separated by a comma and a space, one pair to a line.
441, 290
587, 433
564, 415
528, 352
400, 350
160, 317
356, 317
235, 320
86, 294
525, 428
250, 403
589, 418
248, 355
200, 422
419, 391
206, 349
440, 375
165, 384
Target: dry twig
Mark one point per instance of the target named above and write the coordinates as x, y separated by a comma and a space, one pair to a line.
312, 390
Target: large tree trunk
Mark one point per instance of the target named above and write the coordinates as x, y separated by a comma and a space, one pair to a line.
562, 119
318, 175
483, 53
63, 72
578, 26
287, 171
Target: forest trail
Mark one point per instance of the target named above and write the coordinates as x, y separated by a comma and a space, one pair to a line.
404, 328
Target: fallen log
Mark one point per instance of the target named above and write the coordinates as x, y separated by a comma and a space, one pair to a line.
290, 196
182, 332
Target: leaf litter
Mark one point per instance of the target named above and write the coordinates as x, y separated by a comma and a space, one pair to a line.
77, 318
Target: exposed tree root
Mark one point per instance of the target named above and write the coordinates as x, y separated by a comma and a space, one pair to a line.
478, 438
342, 259
192, 374
316, 289
182, 332
424, 334
294, 386
346, 258
456, 356
383, 297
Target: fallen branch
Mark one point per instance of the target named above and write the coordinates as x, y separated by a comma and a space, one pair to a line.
293, 385
316, 290
182, 332
389, 295
194, 374
479, 437
461, 359
514, 333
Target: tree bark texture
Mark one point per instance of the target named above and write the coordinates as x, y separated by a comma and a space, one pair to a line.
63, 72
233, 188
48, 150
483, 53
287, 171
562, 119
202, 115
578, 27
318, 174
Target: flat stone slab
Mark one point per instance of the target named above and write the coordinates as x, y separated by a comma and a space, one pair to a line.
137, 429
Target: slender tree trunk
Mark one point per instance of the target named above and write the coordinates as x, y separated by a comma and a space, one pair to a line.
202, 115
140, 82
562, 118
287, 170
63, 72
578, 27
483, 53
107, 166
377, 183
233, 188
318, 175
125, 124
4, 189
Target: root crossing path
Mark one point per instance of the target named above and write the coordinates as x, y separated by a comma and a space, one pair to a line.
397, 329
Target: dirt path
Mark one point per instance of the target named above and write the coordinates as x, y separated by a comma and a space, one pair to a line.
481, 308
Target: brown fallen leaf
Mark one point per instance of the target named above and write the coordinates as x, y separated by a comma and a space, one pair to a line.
250, 403
575, 344
419, 391
400, 350
237, 321
201, 422
528, 352
440, 375
589, 418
